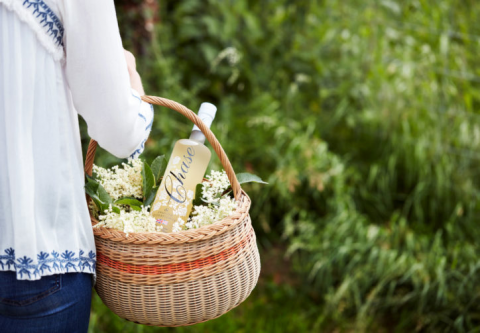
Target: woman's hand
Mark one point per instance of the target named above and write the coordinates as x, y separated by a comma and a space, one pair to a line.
135, 79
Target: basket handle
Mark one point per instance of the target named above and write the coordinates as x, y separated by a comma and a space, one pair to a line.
92, 147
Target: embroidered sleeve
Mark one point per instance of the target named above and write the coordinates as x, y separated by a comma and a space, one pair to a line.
99, 81
146, 114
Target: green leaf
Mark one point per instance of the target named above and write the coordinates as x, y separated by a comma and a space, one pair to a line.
148, 180
91, 188
128, 201
90, 178
103, 195
99, 196
243, 178
116, 209
102, 206
151, 197
197, 201
246, 177
158, 167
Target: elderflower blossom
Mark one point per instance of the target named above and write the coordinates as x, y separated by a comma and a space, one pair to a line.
118, 182
178, 225
132, 221
218, 208
125, 182
205, 215
216, 185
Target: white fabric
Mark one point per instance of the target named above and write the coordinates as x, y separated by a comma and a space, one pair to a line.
44, 223
28, 11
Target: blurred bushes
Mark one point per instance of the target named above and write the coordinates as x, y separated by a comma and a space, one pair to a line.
363, 116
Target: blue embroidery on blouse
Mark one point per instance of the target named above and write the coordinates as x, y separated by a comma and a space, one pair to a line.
138, 151
151, 121
149, 126
51, 262
137, 97
47, 17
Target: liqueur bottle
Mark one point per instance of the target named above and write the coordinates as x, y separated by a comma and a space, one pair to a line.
185, 169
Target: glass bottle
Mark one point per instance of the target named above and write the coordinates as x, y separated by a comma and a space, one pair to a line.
186, 168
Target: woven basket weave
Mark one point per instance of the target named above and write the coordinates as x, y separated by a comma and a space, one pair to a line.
178, 279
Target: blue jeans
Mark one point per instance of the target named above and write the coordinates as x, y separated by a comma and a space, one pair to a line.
56, 303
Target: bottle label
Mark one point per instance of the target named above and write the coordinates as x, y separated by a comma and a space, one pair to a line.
185, 170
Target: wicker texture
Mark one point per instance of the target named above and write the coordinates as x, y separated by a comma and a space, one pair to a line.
178, 279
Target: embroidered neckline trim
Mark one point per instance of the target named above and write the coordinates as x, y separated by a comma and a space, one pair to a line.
43, 21
48, 18
48, 263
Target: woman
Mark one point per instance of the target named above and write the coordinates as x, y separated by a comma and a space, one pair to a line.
57, 58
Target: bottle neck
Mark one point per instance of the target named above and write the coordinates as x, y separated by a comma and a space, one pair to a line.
197, 136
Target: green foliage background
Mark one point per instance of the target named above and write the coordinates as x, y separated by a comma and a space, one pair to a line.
364, 118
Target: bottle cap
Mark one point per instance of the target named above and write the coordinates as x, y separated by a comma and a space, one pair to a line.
207, 114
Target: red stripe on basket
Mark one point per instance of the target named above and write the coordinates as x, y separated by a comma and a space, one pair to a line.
172, 268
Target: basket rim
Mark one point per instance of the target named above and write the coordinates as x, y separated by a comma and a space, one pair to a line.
186, 236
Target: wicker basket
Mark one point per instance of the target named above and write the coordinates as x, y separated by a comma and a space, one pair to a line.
178, 279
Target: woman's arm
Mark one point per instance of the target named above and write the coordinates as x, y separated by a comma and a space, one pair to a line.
99, 78
135, 79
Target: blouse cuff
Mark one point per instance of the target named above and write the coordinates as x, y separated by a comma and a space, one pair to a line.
145, 112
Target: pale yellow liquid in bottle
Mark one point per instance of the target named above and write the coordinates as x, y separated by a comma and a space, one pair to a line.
186, 168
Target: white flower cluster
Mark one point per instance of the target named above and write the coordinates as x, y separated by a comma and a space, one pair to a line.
179, 225
122, 182
217, 183
127, 181
205, 215
133, 221
218, 208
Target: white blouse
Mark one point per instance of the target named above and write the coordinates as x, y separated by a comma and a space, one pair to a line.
58, 58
